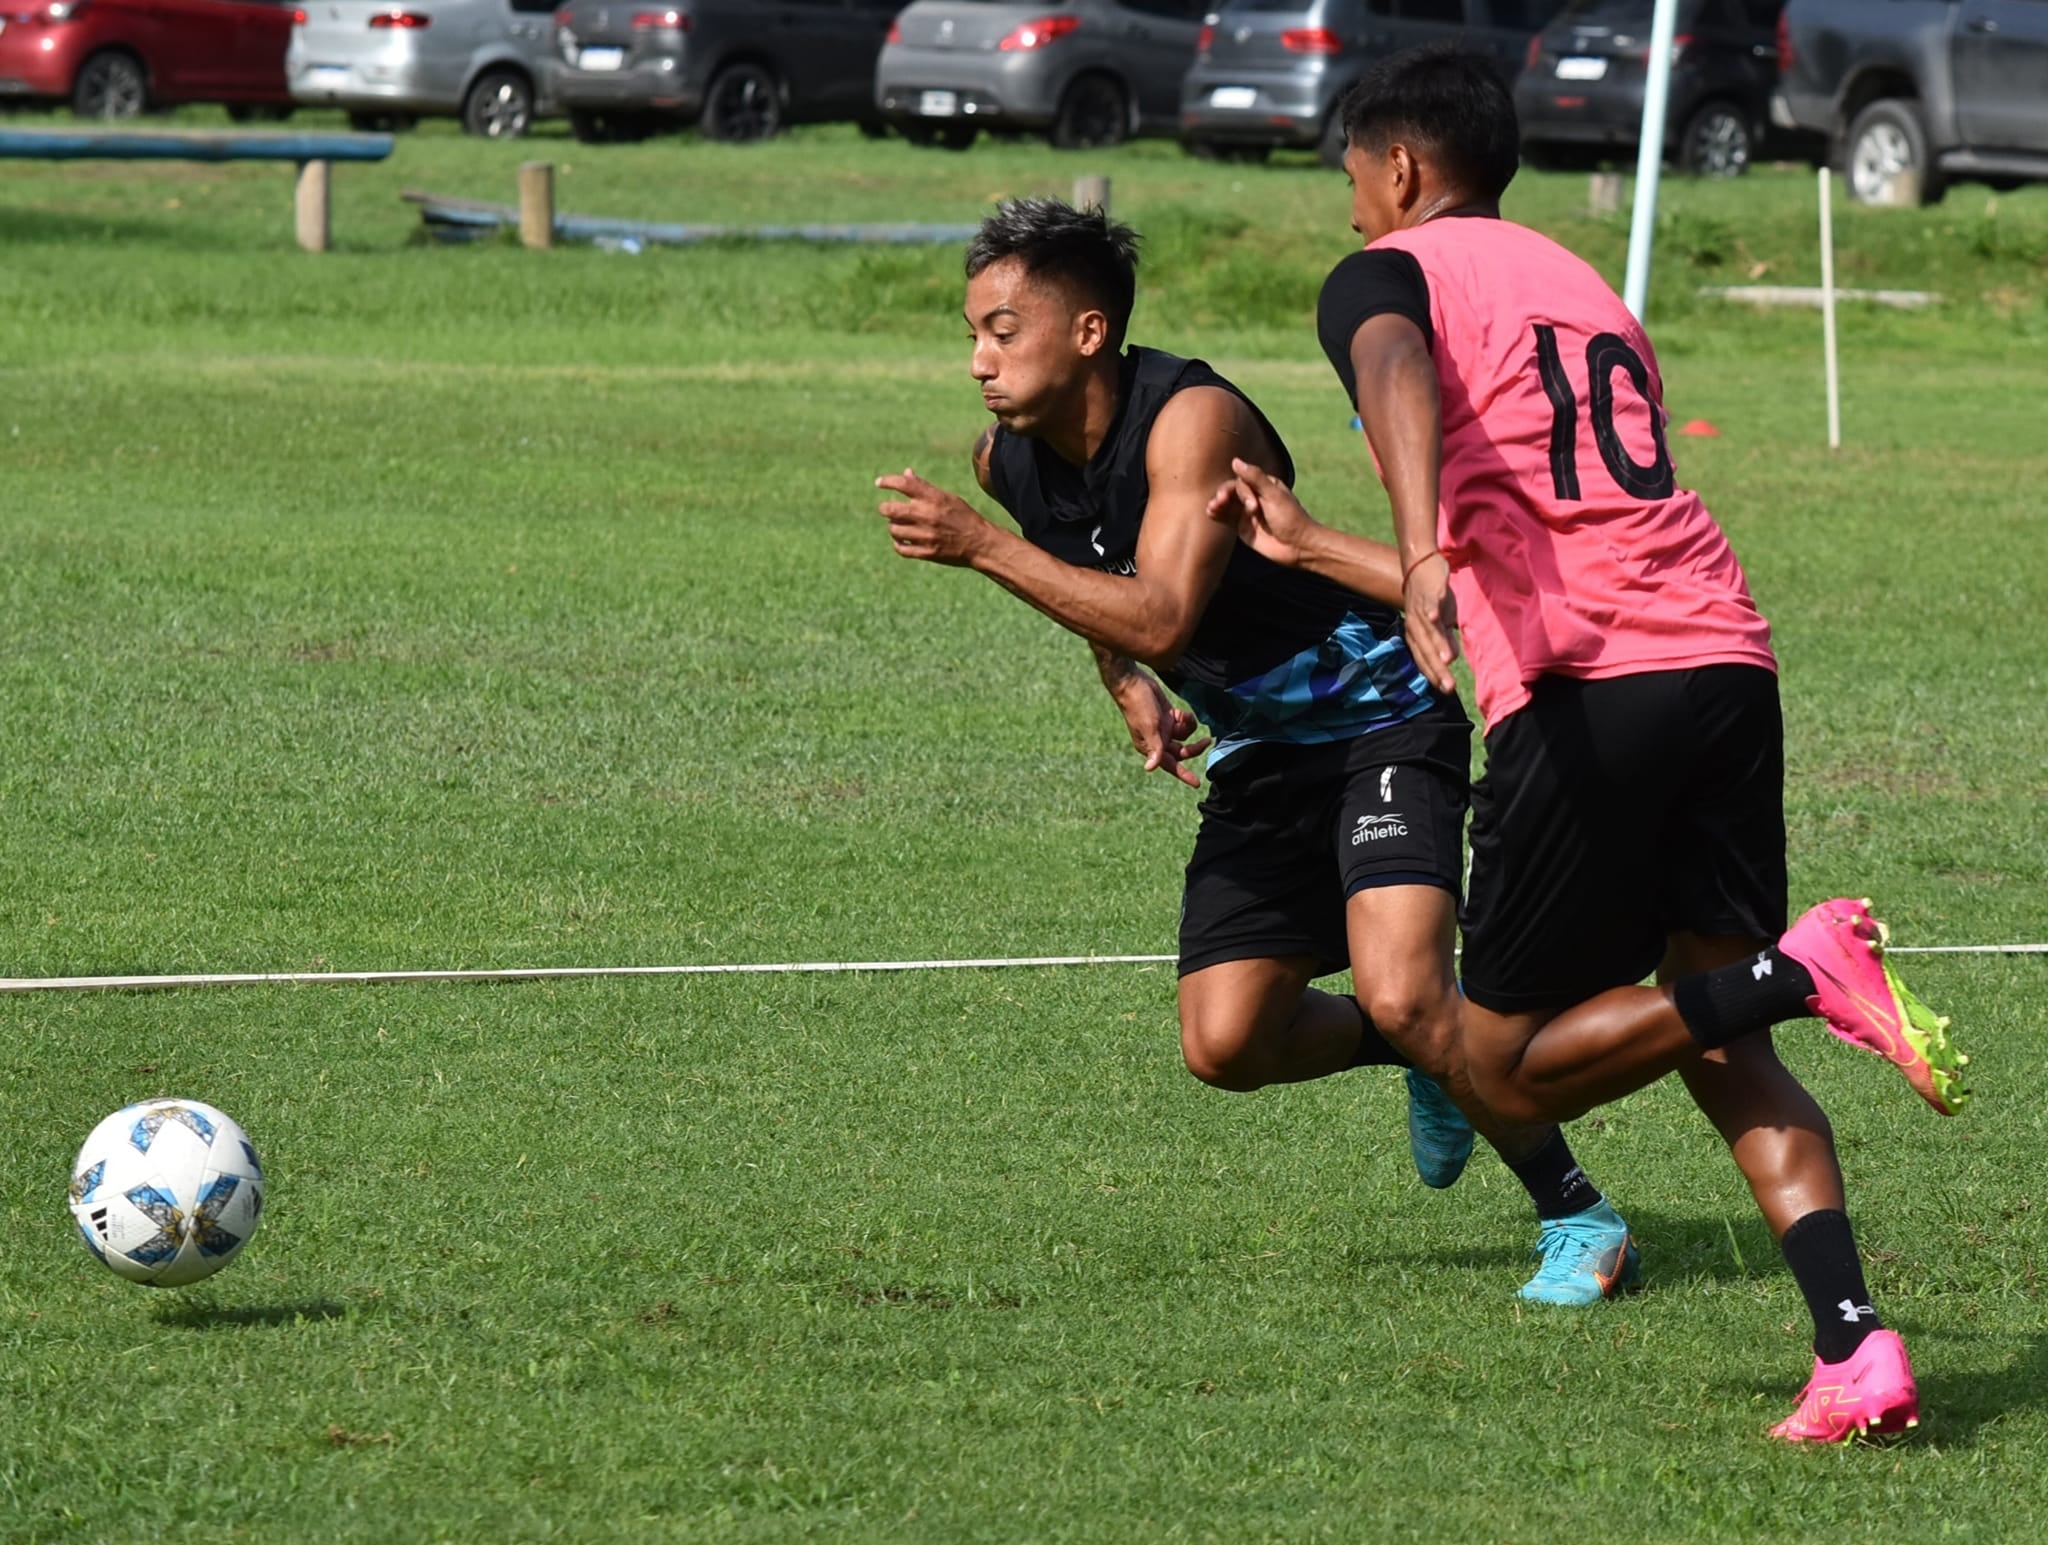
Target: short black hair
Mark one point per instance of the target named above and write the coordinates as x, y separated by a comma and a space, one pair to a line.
1449, 100
1082, 248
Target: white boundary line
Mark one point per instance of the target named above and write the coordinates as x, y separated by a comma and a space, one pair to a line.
1966, 949
21, 984
544, 973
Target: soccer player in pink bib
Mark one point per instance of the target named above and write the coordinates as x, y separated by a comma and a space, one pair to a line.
1631, 817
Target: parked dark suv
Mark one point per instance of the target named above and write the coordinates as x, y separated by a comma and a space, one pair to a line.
738, 69
1582, 88
1269, 73
1915, 94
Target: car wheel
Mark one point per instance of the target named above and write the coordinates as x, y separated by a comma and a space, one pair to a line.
874, 128
499, 105
259, 112
1092, 113
743, 105
110, 85
946, 136
1717, 141
1888, 156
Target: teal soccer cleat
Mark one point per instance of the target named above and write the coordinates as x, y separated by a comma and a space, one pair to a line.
1586, 1257
1439, 1136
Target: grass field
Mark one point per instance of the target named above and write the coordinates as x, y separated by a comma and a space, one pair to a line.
418, 607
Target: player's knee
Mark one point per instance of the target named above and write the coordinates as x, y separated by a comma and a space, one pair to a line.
1510, 1099
1218, 1052
1514, 1105
1420, 1023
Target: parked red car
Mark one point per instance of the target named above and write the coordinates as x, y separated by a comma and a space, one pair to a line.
114, 58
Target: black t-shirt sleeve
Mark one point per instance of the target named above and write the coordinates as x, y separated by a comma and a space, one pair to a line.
1363, 286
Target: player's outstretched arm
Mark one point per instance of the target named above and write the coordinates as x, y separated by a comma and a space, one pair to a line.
1402, 409
1149, 616
1160, 728
1269, 518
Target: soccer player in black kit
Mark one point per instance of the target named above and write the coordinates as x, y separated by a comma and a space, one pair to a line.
1333, 829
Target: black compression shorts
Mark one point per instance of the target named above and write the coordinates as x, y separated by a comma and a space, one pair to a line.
1290, 833
1614, 813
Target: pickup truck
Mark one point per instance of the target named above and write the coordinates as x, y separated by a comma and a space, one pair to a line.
1916, 94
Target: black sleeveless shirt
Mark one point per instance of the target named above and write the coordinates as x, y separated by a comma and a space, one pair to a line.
1278, 654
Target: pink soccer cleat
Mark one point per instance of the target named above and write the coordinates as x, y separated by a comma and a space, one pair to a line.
1864, 1002
1871, 1391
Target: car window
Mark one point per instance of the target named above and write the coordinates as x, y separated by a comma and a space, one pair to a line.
1763, 13
534, 7
1180, 10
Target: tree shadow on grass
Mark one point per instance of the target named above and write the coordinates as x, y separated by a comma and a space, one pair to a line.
1695, 1248
1956, 1403
64, 227
188, 1314
1959, 1402
1676, 1249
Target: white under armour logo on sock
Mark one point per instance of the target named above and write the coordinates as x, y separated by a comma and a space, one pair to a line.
1761, 969
1853, 1311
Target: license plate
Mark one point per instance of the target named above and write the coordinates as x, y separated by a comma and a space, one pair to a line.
1233, 97
1579, 67
600, 58
327, 75
937, 104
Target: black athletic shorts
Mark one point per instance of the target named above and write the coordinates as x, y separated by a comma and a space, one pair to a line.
1290, 833
1613, 813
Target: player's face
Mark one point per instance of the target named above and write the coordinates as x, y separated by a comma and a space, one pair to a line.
1375, 193
1032, 346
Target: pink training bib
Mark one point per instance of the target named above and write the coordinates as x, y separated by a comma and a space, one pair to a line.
1573, 551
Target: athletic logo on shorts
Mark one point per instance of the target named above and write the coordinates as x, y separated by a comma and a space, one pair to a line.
1371, 828
1386, 785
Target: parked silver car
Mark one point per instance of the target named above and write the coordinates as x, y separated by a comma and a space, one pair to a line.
1083, 72
389, 62
738, 69
1271, 72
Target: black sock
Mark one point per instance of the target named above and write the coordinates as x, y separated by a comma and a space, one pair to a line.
1821, 1251
1730, 1002
1374, 1049
1554, 1181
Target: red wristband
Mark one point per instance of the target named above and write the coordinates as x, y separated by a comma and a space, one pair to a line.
1434, 552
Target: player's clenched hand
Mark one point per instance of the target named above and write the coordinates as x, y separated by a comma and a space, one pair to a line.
1160, 728
1431, 615
1269, 519
929, 523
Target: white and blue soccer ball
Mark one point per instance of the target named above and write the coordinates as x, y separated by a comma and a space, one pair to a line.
167, 1192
